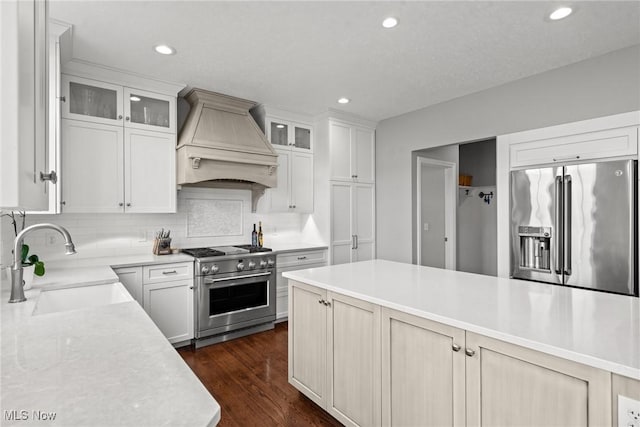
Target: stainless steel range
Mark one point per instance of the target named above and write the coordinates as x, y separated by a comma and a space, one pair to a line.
235, 292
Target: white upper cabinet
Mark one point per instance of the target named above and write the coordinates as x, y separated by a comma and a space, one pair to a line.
285, 133
150, 111
106, 103
23, 139
293, 141
118, 145
352, 152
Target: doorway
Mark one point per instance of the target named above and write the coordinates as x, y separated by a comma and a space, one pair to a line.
436, 185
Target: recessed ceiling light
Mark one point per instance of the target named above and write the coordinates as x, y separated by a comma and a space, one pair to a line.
134, 98
344, 100
560, 13
390, 22
164, 49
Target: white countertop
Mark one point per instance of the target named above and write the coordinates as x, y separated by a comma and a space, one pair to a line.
594, 328
102, 366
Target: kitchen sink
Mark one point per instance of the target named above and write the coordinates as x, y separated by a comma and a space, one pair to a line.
56, 300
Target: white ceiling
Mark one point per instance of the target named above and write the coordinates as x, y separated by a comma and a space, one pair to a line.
304, 55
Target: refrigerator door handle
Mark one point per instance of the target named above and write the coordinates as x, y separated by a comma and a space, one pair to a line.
567, 224
558, 225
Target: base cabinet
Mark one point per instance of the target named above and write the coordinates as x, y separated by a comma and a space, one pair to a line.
508, 384
447, 376
423, 375
333, 353
291, 261
371, 365
165, 291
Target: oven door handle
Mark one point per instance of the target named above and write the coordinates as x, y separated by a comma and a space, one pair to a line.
248, 276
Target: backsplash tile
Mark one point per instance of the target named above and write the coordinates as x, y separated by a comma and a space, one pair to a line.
205, 217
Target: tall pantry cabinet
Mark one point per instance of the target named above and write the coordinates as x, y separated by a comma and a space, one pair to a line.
349, 165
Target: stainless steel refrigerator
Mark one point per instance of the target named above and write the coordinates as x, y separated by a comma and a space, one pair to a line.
575, 225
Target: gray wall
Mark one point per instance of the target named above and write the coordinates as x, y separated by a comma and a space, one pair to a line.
605, 85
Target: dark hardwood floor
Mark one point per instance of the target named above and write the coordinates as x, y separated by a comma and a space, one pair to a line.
248, 378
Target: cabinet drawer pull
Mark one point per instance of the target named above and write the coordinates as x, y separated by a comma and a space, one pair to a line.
469, 352
327, 303
320, 301
170, 272
456, 347
559, 159
302, 257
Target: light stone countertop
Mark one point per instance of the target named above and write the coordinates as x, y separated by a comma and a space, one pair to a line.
102, 366
594, 328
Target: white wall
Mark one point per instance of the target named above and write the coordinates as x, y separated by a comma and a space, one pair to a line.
122, 234
605, 85
432, 210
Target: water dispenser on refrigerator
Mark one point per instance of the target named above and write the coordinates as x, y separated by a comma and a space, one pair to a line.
535, 253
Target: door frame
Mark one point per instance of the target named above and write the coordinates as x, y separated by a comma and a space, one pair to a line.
450, 203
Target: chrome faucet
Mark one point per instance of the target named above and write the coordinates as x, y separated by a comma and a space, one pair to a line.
17, 291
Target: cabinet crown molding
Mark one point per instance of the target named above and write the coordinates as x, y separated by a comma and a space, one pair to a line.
81, 68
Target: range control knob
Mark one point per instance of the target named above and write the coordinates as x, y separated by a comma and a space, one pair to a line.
252, 265
205, 269
270, 262
240, 266
263, 263
214, 269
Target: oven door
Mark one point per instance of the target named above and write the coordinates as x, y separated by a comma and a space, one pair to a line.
233, 302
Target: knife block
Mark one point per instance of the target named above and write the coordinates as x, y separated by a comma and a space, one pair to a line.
162, 246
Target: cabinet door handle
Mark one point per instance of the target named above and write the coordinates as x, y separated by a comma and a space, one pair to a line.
469, 352
456, 347
63, 98
128, 205
320, 301
328, 304
559, 159
170, 272
120, 117
127, 118
190, 287
302, 257
356, 236
353, 241
120, 204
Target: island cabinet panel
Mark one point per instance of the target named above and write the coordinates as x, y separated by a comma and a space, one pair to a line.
334, 353
423, 369
353, 360
307, 341
511, 385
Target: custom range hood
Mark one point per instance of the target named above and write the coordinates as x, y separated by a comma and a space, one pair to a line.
221, 146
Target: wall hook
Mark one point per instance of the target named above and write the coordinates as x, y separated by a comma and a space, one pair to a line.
486, 196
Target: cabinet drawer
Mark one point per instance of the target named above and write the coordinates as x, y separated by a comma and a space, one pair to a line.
302, 258
586, 146
167, 272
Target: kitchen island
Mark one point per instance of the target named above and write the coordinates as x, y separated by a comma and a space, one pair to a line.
384, 342
101, 366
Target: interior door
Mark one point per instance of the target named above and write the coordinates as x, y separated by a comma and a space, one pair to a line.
600, 225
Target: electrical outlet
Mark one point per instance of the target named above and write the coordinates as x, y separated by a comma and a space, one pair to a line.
426, 226
628, 412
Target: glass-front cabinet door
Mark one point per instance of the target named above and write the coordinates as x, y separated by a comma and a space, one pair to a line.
278, 132
91, 100
302, 138
150, 111
284, 133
